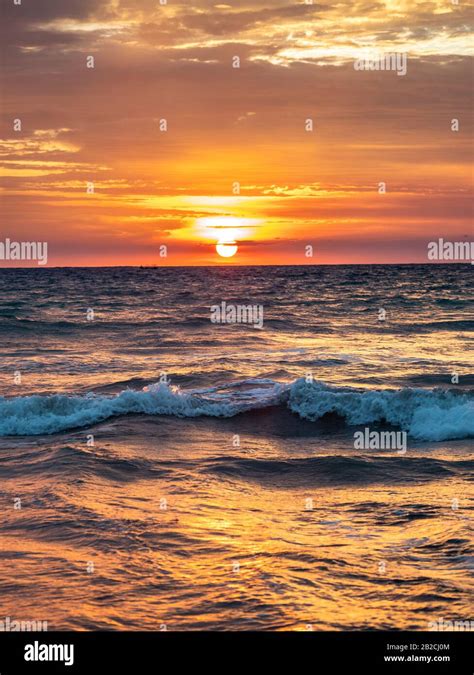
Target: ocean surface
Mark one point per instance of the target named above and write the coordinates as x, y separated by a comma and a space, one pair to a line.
163, 472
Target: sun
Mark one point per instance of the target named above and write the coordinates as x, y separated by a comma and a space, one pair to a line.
226, 247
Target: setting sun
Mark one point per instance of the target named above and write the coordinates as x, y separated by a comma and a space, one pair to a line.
226, 248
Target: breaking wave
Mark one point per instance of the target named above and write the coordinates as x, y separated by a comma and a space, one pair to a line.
426, 414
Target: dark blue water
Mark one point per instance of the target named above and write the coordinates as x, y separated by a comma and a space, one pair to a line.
174, 471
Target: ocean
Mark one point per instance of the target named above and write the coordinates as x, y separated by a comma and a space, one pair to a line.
164, 470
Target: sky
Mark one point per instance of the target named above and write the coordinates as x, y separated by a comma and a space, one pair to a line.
164, 147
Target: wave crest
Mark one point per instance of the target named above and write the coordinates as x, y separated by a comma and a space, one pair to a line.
426, 414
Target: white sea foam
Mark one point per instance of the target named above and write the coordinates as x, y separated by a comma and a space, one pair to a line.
426, 414
32, 415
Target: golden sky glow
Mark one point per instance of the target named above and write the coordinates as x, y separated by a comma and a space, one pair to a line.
236, 160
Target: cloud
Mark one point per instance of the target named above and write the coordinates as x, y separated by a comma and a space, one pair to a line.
229, 125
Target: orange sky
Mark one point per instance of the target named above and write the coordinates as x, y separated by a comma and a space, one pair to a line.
236, 160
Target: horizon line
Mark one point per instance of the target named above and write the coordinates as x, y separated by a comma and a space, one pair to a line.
384, 264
